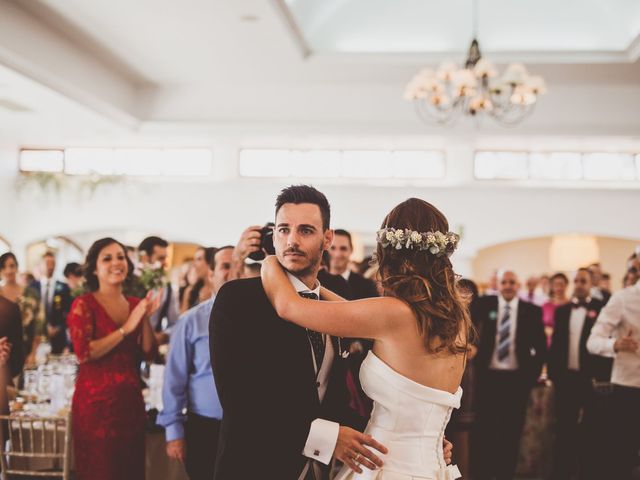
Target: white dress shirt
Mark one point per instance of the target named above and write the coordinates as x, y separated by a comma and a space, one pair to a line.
619, 318
323, 434
346, 274
576, 324
510, 362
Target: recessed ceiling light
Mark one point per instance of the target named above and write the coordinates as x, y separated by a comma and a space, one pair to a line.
249, 18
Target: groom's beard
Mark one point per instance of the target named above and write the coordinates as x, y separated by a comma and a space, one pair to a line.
310, 268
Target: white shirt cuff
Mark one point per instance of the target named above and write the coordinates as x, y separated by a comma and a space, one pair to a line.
322, 439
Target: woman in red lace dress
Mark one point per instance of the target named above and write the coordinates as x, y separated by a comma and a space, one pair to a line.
111, 335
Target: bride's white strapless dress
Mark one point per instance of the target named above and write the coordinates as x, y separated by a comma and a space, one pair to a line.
409, 419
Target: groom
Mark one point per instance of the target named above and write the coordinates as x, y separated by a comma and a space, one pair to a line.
282, 387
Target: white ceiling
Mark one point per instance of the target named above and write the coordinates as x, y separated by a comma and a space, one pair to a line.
556, 29
176, 69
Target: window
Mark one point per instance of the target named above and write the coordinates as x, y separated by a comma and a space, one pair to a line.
567, 166
501, 165
41, 160
555, 166
120, 161
609, 166
343, 164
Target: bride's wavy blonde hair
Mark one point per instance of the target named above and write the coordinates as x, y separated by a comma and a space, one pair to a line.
425, 282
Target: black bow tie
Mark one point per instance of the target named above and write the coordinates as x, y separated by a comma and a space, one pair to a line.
579, 304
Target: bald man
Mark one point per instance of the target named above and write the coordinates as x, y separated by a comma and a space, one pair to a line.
511, 352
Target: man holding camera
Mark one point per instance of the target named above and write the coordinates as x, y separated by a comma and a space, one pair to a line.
249, 245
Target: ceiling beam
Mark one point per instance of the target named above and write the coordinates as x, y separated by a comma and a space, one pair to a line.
39, 44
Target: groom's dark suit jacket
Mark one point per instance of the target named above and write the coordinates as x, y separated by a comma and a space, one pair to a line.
264, 375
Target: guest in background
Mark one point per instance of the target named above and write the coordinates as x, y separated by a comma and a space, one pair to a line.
533, 293
26, 298
462, 419
572, 369
186, 277
154, 251
616, 334
605, 284
11, 332
110, 334
596, 277
630, 278
192, 410
55, 301
492, 285
557, 296
511, 352
201, 290
545, 285
358, 288
340, 253
73, 274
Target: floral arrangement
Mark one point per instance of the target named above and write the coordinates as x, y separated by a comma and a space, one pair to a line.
147, 277
29, 303
436, 243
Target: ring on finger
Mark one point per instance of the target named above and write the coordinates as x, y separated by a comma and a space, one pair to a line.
357, 458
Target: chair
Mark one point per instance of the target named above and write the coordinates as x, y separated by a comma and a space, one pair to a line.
35, 446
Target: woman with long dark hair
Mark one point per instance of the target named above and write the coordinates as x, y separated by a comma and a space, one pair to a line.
111, 335
421, 331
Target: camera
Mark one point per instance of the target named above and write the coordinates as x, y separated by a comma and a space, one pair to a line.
266, 243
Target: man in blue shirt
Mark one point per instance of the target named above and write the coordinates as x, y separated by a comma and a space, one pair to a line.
192, 438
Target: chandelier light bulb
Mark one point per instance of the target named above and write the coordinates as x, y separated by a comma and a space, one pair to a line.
536, 84
484, 68
516, 74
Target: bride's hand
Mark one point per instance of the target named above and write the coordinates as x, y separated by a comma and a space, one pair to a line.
447, 448
268, 270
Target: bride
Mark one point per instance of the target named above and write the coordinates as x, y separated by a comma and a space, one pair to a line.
421, 330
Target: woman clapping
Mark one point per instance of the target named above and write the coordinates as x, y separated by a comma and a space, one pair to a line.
111, 335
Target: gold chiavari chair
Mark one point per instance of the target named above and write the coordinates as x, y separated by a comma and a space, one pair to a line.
35, 446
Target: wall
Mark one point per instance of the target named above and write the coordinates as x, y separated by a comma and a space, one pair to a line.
531, 257
213, 211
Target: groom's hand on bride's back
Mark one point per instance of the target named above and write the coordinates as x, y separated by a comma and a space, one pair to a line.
351, 450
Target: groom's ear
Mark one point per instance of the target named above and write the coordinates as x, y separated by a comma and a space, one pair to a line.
328, 239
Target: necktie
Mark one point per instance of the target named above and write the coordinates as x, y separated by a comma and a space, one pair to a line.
316, 339
47, 291
504, 333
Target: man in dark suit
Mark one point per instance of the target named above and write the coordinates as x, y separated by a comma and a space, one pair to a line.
55, 302
282, 387
511, 352
340, 252
572, 369
358, 287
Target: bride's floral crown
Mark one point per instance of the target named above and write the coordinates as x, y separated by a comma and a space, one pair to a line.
436, 243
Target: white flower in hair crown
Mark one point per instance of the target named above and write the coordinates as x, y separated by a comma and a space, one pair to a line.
437, 243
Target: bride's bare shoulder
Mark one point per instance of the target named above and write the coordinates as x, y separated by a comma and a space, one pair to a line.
395, 308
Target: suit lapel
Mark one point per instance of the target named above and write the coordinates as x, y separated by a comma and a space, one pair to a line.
491, 324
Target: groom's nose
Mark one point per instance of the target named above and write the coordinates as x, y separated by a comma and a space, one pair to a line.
292, 238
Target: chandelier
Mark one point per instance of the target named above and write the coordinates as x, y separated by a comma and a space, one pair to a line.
449, 92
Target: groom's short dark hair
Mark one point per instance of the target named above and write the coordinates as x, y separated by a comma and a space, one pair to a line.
306, 194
